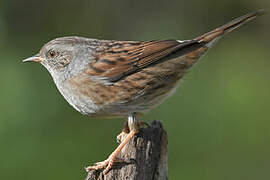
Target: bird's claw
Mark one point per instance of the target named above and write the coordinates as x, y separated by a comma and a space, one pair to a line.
107, 164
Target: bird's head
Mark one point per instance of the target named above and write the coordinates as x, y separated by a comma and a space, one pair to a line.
63, 55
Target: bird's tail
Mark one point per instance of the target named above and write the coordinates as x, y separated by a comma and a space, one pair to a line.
212, 36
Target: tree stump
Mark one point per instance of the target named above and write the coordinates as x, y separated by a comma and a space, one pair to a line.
144, 157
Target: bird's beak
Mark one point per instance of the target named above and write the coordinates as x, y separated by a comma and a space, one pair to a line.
35, 58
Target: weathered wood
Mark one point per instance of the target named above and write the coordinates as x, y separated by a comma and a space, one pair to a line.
145, 157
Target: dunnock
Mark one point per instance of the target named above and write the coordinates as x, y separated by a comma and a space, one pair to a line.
123, 78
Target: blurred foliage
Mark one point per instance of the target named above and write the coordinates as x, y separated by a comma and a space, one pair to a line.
218, 121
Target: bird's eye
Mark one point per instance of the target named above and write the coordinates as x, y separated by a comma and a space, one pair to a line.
52, 53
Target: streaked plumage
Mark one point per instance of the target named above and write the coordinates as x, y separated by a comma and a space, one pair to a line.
124, 78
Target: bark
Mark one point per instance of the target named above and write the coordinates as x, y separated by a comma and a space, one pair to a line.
144, 157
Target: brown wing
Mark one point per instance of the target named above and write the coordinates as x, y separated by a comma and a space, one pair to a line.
116, 59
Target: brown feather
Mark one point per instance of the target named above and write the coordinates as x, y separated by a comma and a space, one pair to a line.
122, 58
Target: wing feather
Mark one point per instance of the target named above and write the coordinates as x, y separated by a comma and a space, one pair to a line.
116, 59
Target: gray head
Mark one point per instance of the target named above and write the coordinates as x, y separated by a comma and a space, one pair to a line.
65, 56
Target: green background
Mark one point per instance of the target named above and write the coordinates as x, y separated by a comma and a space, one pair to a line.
217, 122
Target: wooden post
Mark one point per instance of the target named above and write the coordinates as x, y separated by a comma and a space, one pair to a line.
144, 157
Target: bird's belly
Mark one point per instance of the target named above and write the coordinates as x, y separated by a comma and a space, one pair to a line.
81, 103
145, 102
117, 100
139, 92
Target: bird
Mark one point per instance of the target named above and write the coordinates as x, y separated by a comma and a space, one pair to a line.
111, 78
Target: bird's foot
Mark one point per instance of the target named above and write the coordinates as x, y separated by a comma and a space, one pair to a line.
130, 129
107, 164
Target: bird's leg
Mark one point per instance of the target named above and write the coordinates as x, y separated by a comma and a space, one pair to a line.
126, 130
133, 126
